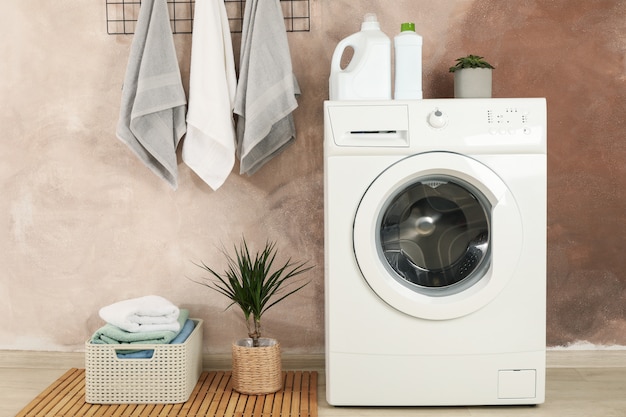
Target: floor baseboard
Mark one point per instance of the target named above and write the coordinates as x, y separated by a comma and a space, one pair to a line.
55, 360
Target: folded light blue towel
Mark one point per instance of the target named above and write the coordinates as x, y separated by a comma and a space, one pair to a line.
109, 334
147, 353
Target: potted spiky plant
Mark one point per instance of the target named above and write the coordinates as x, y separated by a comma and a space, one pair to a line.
252, 283
472, 77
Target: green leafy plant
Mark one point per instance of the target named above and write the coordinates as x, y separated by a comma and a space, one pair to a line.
471, 61
251, 283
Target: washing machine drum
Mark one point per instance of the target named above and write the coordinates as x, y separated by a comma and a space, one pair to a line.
437, 235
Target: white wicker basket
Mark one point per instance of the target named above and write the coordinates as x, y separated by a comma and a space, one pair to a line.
169, 376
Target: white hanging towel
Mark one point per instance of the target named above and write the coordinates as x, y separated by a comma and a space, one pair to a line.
209, 147
152, 112
267, 88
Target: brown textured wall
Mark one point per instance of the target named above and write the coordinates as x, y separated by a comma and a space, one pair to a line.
86, 224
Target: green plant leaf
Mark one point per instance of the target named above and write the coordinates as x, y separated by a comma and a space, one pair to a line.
470, 61
249, 282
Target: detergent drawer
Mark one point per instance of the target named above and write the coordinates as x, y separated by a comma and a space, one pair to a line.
369, 125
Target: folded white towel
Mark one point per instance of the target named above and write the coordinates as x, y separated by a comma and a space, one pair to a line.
267, 88
149, 313
152, 113
209, 147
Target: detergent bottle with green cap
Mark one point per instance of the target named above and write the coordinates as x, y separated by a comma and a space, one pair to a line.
408, 63
368, 74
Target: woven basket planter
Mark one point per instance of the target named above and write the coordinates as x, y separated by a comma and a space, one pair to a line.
256, 370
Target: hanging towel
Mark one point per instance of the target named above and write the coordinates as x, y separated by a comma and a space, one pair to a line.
267, 88
149, 313
110, 334
209, 147
152, 113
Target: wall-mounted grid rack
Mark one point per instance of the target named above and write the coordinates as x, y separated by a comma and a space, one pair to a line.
122, 15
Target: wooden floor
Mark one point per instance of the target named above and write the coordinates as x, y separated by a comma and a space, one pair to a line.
579, 384
213, 396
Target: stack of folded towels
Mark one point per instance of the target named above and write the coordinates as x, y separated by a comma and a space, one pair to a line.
146, 320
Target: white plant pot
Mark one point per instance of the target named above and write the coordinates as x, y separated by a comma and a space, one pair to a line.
472, 83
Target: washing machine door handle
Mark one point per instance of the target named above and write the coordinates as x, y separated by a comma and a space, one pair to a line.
506, 227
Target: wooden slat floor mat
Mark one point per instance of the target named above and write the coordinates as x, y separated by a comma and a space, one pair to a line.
212, 397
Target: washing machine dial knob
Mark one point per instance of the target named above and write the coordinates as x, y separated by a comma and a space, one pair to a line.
437, 119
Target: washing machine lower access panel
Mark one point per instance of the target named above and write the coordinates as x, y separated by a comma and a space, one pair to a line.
500, 379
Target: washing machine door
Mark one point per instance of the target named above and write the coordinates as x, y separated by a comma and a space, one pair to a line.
437, 235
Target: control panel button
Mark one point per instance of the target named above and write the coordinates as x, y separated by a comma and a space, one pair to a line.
437, 119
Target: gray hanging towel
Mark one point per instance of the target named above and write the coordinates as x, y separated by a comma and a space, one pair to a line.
152, 113
267, 87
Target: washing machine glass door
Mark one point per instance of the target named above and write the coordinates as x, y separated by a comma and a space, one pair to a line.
437, 235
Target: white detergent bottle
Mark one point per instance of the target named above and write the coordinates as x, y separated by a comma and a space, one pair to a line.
368, 74
408, 63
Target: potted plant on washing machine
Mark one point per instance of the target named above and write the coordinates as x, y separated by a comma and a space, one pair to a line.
254, 285
472, 77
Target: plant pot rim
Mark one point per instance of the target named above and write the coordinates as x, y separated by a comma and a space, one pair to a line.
461, 69
263, 342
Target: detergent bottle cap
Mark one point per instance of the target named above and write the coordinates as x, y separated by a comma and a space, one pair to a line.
407, 27
370, 21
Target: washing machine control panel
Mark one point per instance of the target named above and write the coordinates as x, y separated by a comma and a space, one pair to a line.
508, 120
478, 125
459, 125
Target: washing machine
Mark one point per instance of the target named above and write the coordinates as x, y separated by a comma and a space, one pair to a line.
435, 252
